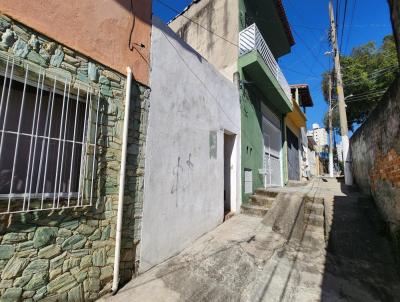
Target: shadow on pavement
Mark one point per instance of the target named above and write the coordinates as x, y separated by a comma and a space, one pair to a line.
360, 264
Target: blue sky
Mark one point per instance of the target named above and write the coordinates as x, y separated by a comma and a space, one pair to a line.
369, 21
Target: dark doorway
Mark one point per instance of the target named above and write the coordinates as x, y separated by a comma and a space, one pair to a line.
229, 141
293, 155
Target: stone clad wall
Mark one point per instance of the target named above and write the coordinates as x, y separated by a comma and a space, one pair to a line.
68, 255
375, 148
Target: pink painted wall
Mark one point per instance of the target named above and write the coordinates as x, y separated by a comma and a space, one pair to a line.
99, 29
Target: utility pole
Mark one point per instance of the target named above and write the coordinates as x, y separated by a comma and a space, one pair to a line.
330, 129
348, 177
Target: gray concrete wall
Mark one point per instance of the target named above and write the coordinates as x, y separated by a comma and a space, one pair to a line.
375, 150
192, 105
221, 17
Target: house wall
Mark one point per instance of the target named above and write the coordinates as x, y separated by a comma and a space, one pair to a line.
297, 131
213, 32
375, 148
68, 254
192, 105
252, 101
99, 29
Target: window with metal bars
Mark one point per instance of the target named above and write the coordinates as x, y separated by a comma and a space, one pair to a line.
48, 137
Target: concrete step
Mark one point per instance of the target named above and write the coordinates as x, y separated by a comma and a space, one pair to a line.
261, 200
315, 200
297, 183
314, 208
266, 192
253, 210
315, 220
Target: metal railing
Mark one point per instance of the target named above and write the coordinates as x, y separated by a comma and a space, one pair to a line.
251, 39
48, 142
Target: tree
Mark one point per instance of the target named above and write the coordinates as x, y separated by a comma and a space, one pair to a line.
367, 73
335, 119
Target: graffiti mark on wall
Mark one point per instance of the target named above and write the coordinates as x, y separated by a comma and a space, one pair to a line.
182, 177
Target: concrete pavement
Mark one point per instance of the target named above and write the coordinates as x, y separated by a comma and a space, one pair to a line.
283, 256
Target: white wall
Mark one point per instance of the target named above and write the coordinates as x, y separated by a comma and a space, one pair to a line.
191, 106
222, 16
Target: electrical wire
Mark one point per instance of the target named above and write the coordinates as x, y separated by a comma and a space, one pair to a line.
132, 45
214, 98
298, 72
197, 23
309, 49
373, 76
366, 95
230, 42
337, 14
351, 24
302, 19
343, 23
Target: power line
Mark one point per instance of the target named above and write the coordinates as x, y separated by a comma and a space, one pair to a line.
301, 59
372, 93
365, 94
214, 98
318, 40
351, 24
376, 71
343, 23
337, 14
301, 73
309, 49
302, 19
197, 23
372, 76
366, 99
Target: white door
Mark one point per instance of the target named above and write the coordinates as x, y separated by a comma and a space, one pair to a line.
272, 149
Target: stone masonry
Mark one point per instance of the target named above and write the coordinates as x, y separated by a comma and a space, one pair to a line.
68, 254
375, 150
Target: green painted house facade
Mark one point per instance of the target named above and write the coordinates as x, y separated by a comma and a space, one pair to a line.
265, 95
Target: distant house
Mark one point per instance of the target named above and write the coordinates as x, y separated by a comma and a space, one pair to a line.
297, 143
63, 84
243, 40
192, 166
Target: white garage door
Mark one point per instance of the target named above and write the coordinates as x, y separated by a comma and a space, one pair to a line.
272, 135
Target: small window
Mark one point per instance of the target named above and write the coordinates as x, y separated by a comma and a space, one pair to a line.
47, 143
248, 181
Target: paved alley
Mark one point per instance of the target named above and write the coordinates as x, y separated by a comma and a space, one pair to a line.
250, 259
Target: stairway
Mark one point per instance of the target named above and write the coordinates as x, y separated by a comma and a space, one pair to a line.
259, 203
314, 210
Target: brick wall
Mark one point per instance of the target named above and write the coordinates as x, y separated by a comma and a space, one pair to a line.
375, 148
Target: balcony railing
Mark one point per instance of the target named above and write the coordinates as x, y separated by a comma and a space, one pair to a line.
251, 39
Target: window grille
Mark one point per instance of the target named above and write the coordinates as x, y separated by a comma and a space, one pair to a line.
48, 135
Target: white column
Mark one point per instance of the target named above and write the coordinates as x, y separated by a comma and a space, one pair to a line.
348, 175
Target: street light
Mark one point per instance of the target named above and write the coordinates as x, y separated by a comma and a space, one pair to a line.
349, 96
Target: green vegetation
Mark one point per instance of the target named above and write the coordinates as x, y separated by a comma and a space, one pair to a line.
367, 73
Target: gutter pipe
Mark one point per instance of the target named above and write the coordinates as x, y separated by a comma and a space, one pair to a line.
122, 183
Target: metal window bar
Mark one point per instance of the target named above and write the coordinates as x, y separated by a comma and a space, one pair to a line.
251, 39
48, 141
36, 138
